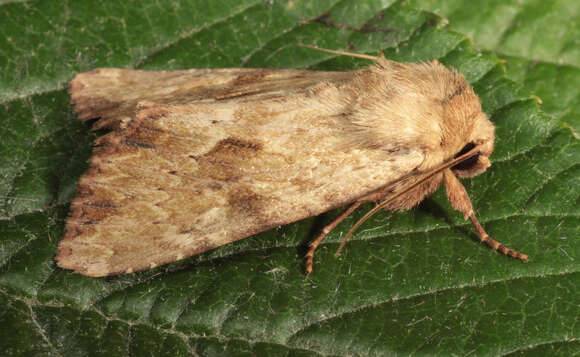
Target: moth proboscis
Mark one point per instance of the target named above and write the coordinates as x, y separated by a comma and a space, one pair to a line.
199, 158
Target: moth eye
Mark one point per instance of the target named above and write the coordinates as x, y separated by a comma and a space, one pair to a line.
467, 163
470, 145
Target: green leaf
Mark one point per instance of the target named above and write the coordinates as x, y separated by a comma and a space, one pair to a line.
412, 282
535, 29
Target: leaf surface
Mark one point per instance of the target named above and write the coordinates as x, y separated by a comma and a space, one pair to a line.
412, 282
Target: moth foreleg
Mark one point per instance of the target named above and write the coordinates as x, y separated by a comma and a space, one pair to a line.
460, 201
327, 229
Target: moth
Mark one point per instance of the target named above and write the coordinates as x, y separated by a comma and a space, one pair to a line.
199, 158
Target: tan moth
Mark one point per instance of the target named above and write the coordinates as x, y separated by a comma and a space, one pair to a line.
200, 158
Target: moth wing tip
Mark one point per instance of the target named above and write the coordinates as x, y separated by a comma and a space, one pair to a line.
85, 264
84, 80
97, 270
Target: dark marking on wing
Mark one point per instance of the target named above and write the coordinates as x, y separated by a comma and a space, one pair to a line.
100, 204
255, 208
234, 146
245, 200
138, 144
246, 78
225, 161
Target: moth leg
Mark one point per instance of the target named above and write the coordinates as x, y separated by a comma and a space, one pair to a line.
327, 229
460, 201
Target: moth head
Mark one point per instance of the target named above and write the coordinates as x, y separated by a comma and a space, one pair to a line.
482, 136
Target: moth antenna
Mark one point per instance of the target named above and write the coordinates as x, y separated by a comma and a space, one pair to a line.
344, 53
355, 227
383, 204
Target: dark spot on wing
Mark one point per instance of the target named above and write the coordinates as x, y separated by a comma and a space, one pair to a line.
138, 144
245, 200
234, 146
230, 159
251, 77
100, 204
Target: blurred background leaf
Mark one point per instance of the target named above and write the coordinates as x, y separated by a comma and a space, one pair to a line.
407, 283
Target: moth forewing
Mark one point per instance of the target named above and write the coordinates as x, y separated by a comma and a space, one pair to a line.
111, 94
197, 159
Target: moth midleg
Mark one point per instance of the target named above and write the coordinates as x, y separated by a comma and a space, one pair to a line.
459, 199
327, 229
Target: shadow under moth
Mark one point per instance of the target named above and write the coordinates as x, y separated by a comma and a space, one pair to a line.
199, 158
